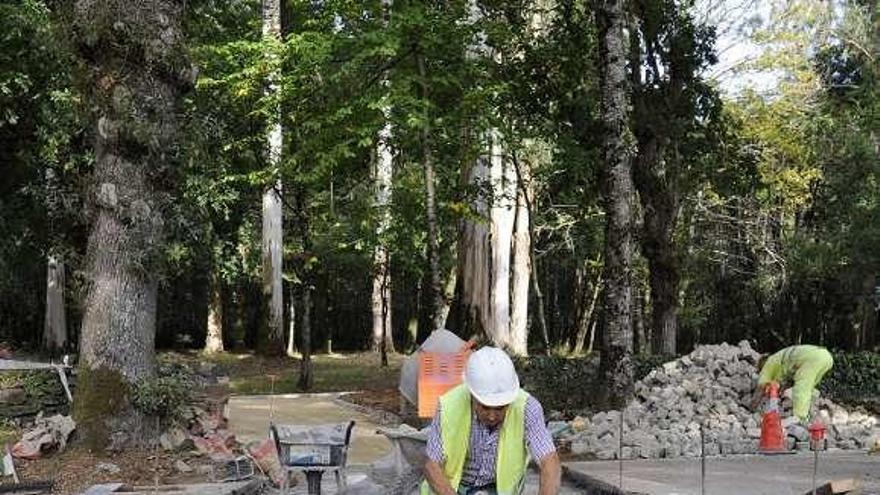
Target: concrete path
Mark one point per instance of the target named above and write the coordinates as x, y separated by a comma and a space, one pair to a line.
735, 475
249, 420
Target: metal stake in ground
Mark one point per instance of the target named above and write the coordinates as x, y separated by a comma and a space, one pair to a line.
702, 461
272, 397
620, 451
817, 434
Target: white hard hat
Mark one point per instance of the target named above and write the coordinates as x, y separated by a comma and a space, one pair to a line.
491, 378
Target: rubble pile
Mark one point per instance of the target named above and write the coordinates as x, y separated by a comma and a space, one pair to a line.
709, 390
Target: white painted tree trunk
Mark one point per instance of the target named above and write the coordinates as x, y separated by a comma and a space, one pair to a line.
272, 220
503, 213
381, 263
55, 328
519, 332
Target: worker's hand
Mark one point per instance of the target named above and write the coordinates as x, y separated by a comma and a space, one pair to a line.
436, 479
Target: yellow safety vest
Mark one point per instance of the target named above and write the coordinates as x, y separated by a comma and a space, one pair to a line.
805, 365
455, 434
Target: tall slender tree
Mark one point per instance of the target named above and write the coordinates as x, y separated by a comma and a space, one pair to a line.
437, 302
381, 300
383, 173
273, 291
619, 148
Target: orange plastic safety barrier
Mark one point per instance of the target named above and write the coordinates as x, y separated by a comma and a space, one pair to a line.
439, 372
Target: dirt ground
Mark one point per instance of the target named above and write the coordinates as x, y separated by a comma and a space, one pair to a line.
76, 469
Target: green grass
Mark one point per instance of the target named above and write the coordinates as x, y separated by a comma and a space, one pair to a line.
250, 374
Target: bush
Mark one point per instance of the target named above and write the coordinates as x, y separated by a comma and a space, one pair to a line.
570, 385
561, 384
165, 395
854, 380
646, 363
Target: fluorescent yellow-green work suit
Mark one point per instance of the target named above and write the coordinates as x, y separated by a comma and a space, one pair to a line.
805, 365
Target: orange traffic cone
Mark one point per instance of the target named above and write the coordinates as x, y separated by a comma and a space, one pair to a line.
772, 436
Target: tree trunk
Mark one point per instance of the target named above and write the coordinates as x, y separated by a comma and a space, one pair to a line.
616, 364
55, 325
473, 256
660, 203
503, 213
273, 292
381, 262
307, 277
588, 315
638, 308
305, 369
214, 336
55, 328
519, 332
134, 73
291, 327
448, 291
436, 296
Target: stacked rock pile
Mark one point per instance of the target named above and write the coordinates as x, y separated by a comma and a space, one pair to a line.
709, 390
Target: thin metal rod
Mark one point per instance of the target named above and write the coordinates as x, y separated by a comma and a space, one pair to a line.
815, 463
271, 398
702, 461
620, 451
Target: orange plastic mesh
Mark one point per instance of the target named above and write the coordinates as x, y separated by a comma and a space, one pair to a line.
439, 372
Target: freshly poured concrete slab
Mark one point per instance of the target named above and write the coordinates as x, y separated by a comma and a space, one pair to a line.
734, 475
249, 420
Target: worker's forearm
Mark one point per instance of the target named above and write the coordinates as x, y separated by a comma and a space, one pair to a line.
436, 479
551, 475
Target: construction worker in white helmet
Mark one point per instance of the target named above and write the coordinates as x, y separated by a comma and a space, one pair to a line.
484, 432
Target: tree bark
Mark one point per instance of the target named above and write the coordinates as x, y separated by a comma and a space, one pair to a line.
291, 326
661, 207
436, 296
522, 243
473, 255
616, 363
305, 370
214, 336
55, 325
588, 315
273, 291
134, 71
502, 217
55, 328
381, 261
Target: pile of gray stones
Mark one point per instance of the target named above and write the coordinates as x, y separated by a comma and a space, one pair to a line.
710, 390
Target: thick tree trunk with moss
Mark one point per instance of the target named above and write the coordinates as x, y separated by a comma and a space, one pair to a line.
134, 71
619, 148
